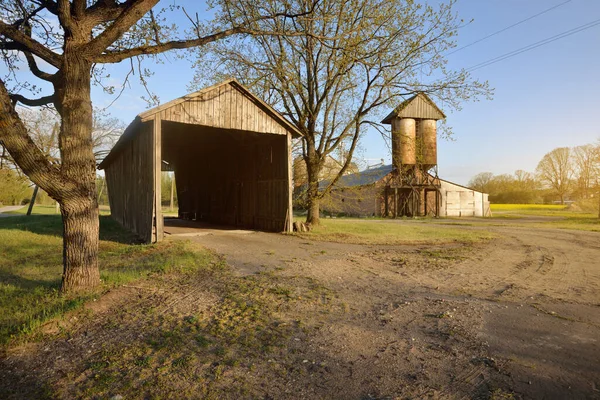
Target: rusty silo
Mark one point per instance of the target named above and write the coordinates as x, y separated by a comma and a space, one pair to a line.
414, 157
427, 136
404, 134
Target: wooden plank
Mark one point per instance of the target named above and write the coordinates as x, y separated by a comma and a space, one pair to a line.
157, 163
289, 186
216, 107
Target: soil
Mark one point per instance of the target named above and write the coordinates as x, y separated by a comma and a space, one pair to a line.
518, 315
514, 317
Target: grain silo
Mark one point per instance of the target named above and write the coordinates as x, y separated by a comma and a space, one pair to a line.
415, 187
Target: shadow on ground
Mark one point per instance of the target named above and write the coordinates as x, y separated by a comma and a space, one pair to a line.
51, 225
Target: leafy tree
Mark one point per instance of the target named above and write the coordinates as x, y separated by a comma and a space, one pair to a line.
341, 65
556, 171
65, 43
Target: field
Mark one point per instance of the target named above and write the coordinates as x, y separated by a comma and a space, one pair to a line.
361, 309
544, 216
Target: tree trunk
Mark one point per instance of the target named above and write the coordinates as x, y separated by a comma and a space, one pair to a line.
80, 245
313, 215
79, 208
312, 195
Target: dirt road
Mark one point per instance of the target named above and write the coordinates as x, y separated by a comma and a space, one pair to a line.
517, 316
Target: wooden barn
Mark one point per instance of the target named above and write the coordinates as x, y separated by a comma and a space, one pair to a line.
363, 195
231, 155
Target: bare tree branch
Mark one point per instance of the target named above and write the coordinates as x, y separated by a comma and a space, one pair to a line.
127, 18
42, 101
25, 43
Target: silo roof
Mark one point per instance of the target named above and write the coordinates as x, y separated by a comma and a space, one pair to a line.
417, 106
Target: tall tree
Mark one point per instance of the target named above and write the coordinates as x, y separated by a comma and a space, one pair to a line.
556, 171
482, 182
587, 168
64, 44
342, 64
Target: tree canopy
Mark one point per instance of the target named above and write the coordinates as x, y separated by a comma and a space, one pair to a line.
64, 45
341, 65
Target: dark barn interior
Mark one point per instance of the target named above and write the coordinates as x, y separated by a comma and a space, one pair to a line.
227, 176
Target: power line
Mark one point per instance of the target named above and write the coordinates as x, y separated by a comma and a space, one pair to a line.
535, 45
508, 27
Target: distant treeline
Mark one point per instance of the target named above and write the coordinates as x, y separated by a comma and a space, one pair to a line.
564, 174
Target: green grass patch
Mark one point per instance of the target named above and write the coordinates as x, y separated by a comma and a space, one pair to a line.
390, 232
589, 223
49, 210
540, 210
37, 210
207, 353
31, 268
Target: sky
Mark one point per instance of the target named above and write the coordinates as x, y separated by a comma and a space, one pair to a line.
543, 98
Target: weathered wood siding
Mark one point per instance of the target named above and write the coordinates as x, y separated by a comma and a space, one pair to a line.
130, 179
223, 107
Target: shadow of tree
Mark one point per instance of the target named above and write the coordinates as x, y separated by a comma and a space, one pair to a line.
51, 225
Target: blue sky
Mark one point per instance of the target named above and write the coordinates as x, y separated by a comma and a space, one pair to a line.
544, 98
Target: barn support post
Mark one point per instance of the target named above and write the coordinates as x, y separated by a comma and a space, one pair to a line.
290, 186
157, 164
395, 202
386, 206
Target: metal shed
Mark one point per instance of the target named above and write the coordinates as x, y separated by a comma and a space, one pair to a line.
229, 150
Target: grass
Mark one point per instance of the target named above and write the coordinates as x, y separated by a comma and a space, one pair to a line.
48, 210
31, 269
158, 342
562, 216
37, 210
585, 222
390, 232
541, 210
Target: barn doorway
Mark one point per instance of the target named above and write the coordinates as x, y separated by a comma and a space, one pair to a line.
226, 178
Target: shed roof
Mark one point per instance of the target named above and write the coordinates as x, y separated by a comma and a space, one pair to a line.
417, 106
362, 178
175, 106
374, 175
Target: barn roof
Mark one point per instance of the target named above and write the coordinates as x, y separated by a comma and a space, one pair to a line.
363, 178
180, 105
418, 106
373, 175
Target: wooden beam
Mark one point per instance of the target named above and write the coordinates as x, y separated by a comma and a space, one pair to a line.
290, 186
157, 164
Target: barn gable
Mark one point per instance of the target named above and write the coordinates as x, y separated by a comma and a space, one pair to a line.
227, 105
419, 106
